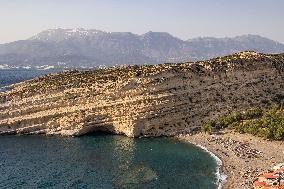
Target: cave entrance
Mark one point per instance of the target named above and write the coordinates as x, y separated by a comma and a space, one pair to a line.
100, 130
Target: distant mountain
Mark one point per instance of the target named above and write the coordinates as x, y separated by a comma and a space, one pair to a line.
209, 47
90, 48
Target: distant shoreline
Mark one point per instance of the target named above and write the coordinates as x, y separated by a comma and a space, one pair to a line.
239, 165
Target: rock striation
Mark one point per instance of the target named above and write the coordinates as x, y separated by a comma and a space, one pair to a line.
152, 100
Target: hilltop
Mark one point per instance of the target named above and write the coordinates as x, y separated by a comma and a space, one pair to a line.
153, 100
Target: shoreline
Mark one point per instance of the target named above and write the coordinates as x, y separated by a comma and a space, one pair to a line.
221, 176
243, 157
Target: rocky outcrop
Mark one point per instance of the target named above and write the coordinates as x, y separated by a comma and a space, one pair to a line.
154, 100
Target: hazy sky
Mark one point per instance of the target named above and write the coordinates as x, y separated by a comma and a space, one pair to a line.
21, 19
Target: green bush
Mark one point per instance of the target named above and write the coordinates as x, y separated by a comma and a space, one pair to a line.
209, 127
253, 113
234, 125
252, 127
230, 120
263, 123
264, 133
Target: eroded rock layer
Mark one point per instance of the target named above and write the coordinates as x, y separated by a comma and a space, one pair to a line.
156, 100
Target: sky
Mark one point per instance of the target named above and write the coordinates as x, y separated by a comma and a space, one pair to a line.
186, 19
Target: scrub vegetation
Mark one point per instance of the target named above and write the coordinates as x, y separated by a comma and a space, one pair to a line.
266, 123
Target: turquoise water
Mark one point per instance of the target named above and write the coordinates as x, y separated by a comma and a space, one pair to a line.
99, 161
103, 161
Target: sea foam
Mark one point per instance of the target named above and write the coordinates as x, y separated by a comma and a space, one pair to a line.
221, 177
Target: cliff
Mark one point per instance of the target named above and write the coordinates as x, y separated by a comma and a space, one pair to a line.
154, 100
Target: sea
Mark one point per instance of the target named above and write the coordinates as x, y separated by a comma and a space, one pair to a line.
100, 160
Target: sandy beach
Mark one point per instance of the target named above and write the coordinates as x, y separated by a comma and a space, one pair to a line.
244, 156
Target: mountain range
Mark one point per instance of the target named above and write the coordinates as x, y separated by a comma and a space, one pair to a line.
92, 48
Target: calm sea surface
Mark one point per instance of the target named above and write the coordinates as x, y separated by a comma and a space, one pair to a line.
100, 161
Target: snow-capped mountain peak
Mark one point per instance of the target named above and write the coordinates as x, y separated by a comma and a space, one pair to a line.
60, 34
88, 47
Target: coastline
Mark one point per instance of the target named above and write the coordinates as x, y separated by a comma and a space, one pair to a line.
221, 176
243, 157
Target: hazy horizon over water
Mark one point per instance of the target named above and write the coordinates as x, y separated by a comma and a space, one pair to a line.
99, 160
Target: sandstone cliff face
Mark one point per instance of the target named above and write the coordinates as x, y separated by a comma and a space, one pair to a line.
166, 99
